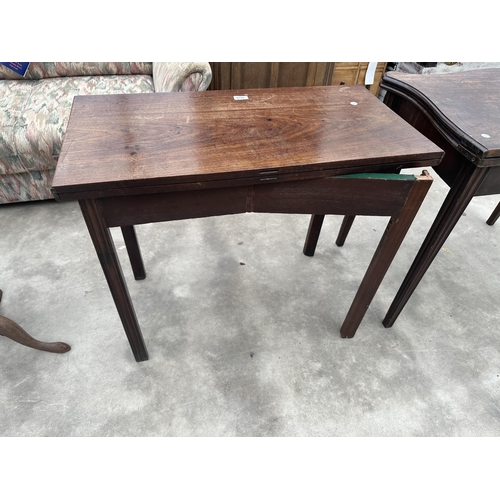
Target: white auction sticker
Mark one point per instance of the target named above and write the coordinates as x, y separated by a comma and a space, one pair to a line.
240, 97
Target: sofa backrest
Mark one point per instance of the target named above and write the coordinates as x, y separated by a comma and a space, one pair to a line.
39, 70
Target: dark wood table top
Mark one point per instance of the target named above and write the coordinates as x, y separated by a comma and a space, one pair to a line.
119, 143
464, 106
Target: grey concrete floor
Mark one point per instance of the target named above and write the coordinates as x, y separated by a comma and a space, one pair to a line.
243, 330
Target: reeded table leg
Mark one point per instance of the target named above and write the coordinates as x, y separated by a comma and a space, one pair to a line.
103, 243
461, 193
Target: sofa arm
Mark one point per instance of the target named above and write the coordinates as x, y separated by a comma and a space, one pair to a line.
181, 76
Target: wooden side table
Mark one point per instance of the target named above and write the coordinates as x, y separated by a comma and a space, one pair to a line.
141, 158
460, 112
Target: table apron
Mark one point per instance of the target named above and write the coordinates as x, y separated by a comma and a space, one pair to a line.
330, 195
491, 183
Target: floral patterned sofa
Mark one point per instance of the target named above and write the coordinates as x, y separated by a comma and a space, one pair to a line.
34, 111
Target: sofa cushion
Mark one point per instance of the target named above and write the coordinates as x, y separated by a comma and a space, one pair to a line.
27, 186
34, 115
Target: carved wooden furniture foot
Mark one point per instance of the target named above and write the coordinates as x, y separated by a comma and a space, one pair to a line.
13, 331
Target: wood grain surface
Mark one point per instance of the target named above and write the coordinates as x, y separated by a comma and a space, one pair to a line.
465, 105
134, 140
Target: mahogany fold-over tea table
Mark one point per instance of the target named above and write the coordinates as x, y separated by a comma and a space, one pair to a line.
141, 158
460, 112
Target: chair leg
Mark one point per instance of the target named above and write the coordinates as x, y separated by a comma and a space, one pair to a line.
313, 234
344, 229
494, 216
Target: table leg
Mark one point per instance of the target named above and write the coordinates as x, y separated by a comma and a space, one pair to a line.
460, 195
386, 251
134, 252
103, 243
344, 229
314, 230
315, 224
494, 216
